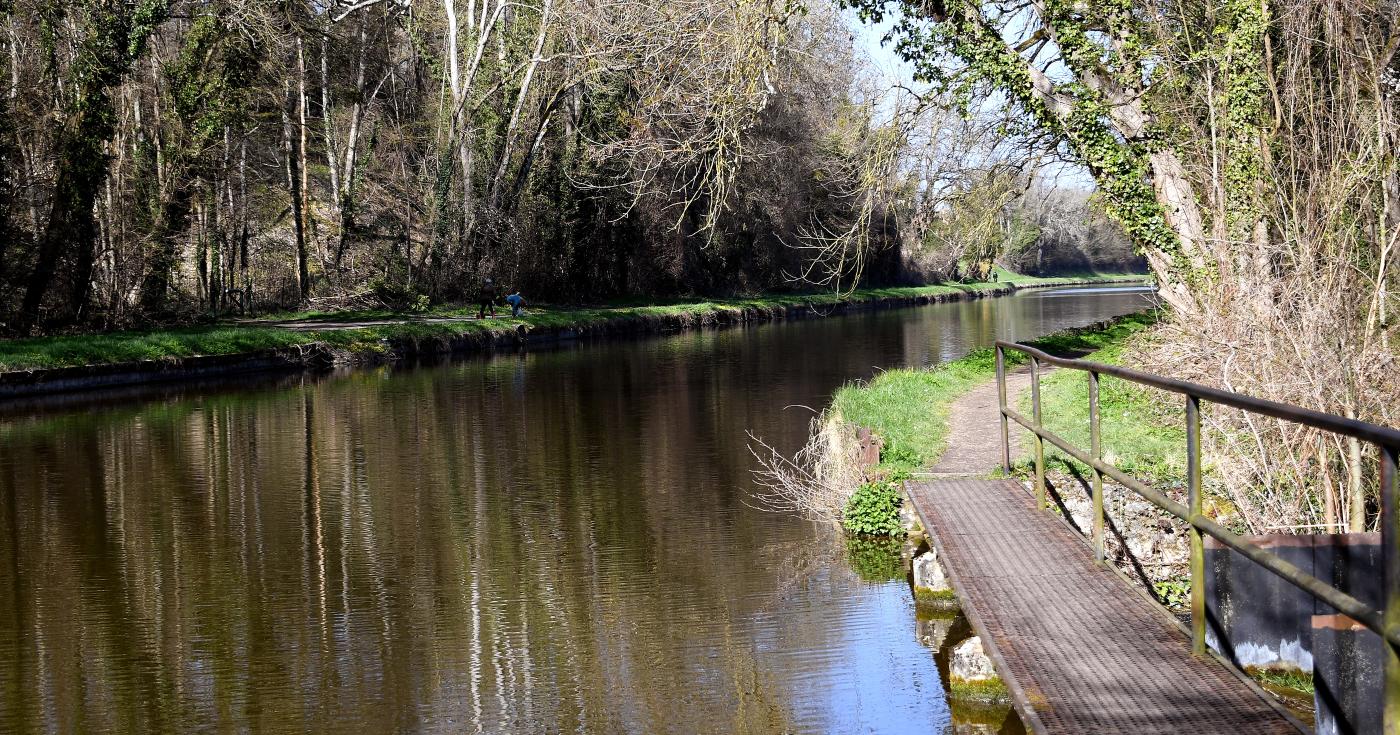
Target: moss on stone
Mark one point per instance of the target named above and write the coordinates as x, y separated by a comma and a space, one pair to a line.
929, 595
985, 714
978, 690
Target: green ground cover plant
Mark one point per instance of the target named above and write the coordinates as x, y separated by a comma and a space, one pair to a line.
873, 509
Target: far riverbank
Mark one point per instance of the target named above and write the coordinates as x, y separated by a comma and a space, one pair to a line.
323, 340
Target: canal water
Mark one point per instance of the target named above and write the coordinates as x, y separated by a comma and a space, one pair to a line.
552, 541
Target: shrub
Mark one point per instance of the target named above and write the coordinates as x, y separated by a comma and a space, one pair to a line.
874, 510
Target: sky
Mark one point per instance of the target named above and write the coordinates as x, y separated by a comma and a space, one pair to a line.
894, 70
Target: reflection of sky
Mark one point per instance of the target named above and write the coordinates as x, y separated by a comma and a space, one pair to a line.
1061, 293
880, 670
885, 66
874, 676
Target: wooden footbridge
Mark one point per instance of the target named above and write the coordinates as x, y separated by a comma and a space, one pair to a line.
1080, 649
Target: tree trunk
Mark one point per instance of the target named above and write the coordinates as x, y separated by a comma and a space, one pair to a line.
171, 224
201, 246
80, 173
247, 284
327, 121
289, 149
345, 197
508, 137
307, 224
1356, 499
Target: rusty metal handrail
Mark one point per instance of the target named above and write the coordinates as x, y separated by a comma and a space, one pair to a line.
1385, 623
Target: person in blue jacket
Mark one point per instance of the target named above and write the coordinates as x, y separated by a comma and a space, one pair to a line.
517, 303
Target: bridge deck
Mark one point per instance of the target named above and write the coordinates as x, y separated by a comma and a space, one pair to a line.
1080, 650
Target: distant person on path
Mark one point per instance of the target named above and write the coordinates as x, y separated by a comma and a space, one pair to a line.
488, 299
517, 303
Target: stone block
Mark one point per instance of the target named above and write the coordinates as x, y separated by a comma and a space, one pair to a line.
931, 585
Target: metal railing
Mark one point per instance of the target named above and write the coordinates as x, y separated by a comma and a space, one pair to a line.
1385, 622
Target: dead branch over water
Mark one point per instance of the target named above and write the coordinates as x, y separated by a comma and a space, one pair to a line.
817, 481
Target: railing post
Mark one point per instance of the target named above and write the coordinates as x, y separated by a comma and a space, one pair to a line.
1390, 557
1193, 502
1001, 410
1096, 450
1039, 442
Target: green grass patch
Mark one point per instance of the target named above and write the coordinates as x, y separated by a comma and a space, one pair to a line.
227, 338
123, 347
1005, 276
909, 408
1291, 680
1141, 429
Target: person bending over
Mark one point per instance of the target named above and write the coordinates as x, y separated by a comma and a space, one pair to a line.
517, 303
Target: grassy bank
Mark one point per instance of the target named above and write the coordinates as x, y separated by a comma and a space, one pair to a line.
909, 409
1141, 429
345, 330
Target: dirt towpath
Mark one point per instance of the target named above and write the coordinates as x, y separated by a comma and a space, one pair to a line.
974, 434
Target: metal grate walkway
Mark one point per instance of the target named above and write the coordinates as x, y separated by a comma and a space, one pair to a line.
1080, 650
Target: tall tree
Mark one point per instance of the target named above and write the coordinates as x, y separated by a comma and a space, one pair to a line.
209, 82
1249, 148
117, 32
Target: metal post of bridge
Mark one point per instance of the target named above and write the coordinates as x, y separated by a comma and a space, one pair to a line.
1193, 514
1039, 441
1096, 447
1390, 558
1001, 410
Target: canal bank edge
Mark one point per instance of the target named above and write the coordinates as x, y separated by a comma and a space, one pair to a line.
326, 354
858, 426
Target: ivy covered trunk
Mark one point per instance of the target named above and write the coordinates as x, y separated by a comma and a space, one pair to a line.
116, 39
171, 226
1249, 149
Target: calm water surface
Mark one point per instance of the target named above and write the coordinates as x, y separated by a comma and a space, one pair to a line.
553, 541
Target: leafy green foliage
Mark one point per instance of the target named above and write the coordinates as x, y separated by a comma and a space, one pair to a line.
210, 80
1175, 593
1243, 26
874, 510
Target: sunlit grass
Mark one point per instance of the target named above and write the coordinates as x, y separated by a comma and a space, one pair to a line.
909, 409
1141, 429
